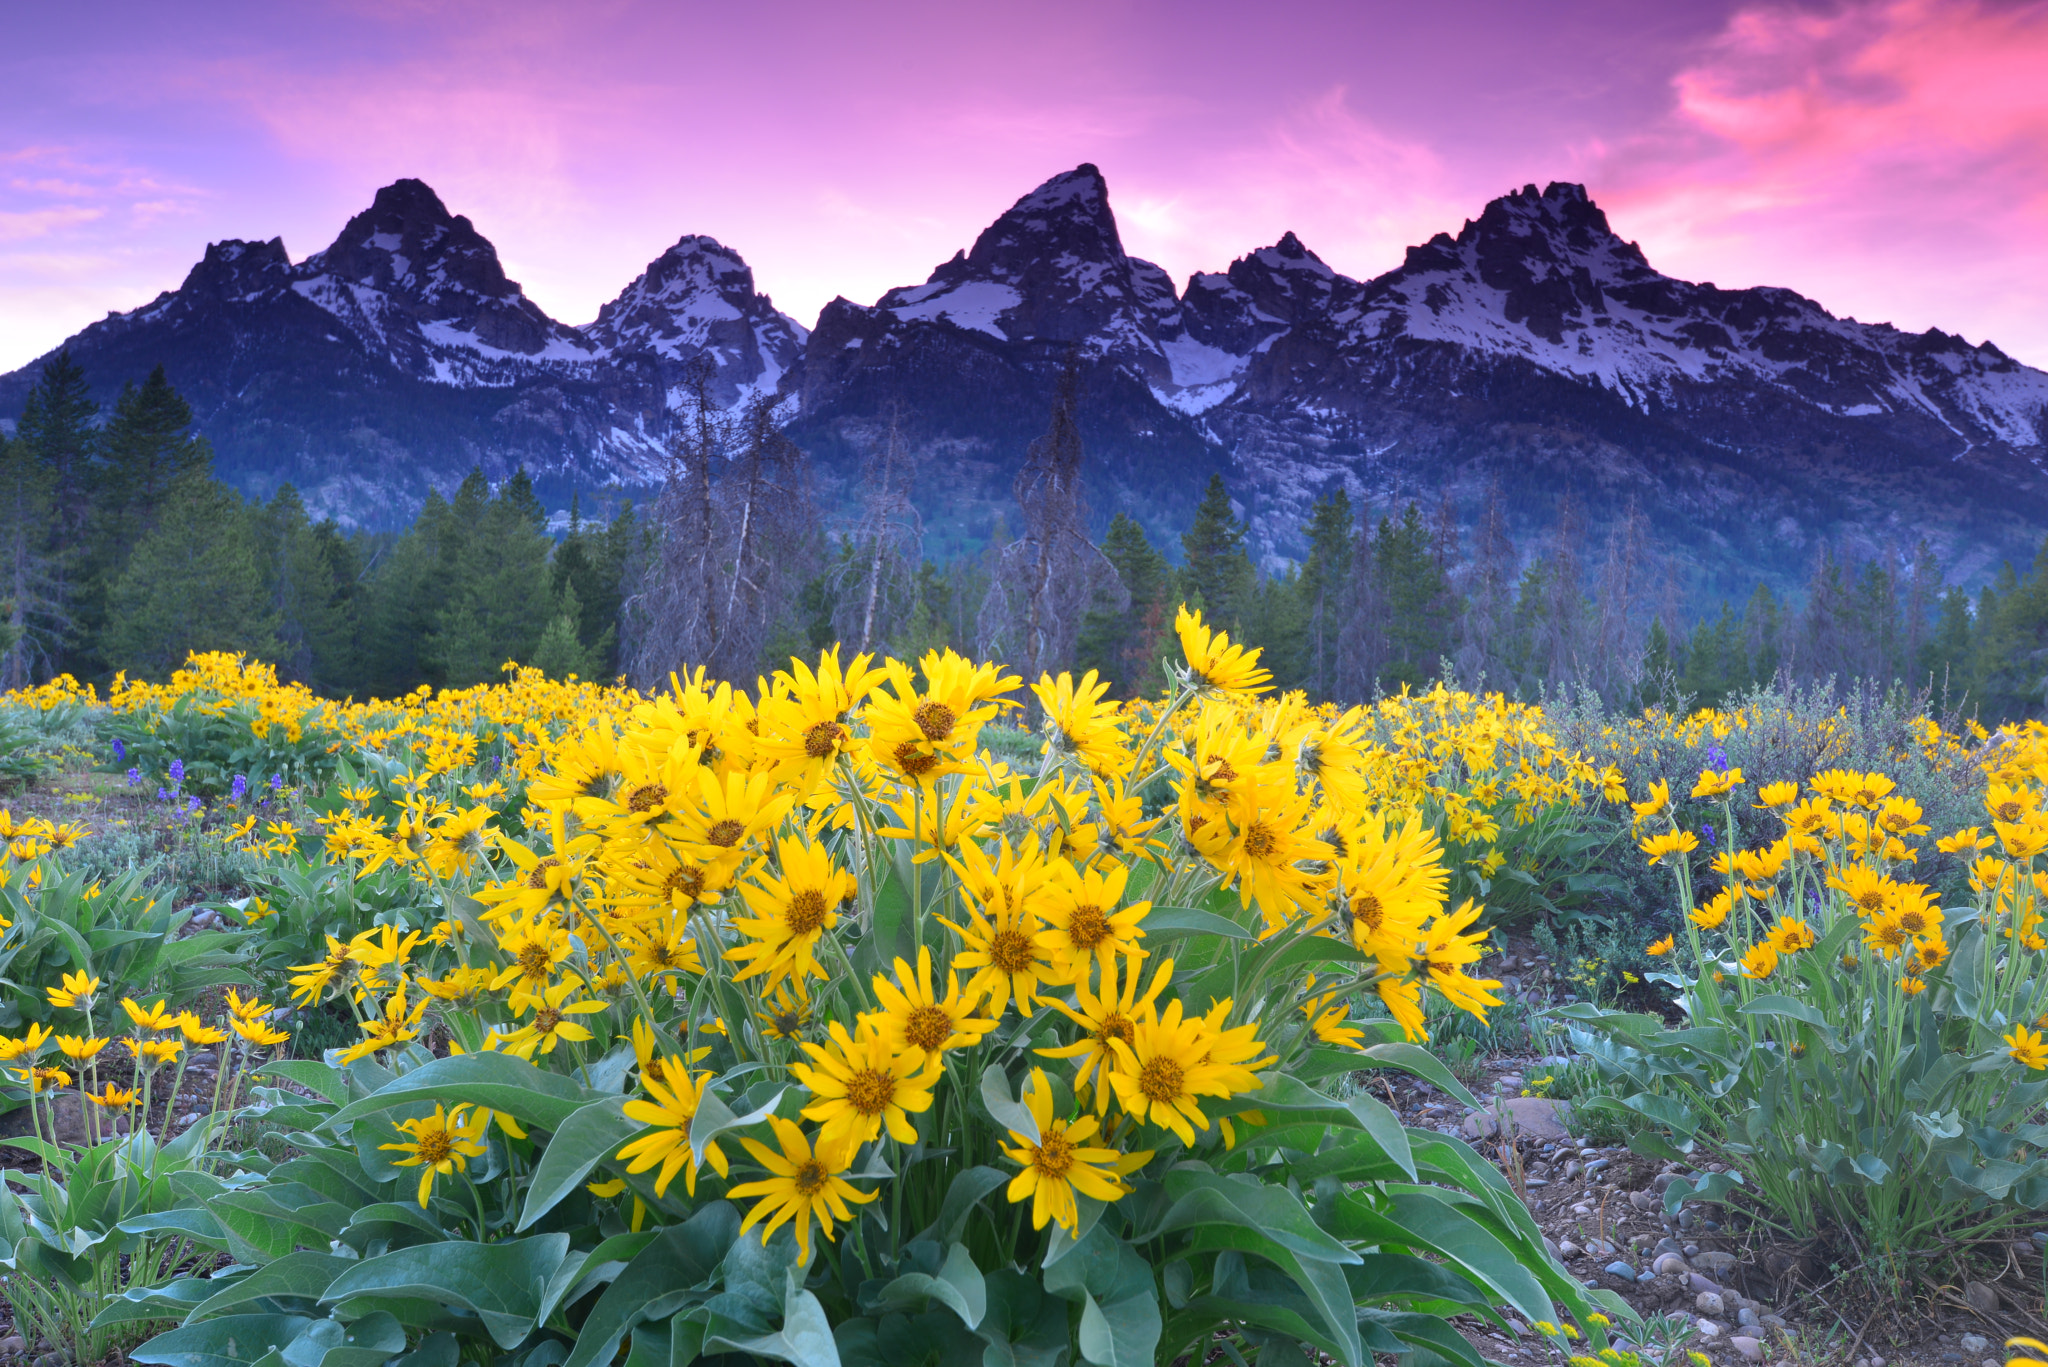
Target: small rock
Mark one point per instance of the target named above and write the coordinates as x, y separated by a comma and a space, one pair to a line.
1982, 1299
51, 1360
205, 1058
1642, 1200
13, 1344
1749, 1348
1539, 1117
1690, 1250
1663, 1180
1582, 1209
1989, 1362
1596, 1167
1671, 1263
1585, 1152
1552, 1249
1876, 1361
1534, 1182
189, 1118
1975, 1343
1709, 1303
1715, 1261
1747, 1317
1685, 1219
1708, 1329
1772, 1322
1620, 1270
1572, 1169
1696, 1283
1668, 1245
1568, 1249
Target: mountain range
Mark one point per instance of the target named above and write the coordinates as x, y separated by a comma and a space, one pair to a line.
1534, 351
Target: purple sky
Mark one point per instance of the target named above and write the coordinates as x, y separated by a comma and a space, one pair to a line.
1888, 159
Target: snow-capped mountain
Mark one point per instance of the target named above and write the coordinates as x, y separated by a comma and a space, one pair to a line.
1535, 349
401, 356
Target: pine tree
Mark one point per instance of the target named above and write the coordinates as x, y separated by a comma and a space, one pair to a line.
57, 425
1763, 627
1324, 576
1216, 574
407, 590
499, 598
559, 653
1657, 680
195, 582
1124, 645
315, 628
31, 589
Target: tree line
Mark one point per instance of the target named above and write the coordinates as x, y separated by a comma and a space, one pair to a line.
123, 552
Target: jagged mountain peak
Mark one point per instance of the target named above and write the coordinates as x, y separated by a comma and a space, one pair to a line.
698, 299
235, 269
408, 243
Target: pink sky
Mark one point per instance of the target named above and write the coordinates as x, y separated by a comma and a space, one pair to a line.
1889, 159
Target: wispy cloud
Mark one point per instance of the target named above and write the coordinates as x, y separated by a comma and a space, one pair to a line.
1889, 158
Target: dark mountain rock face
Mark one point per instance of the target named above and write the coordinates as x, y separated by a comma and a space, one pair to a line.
1535, 349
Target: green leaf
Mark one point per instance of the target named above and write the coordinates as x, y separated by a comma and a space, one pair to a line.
503, 1282
1024, 1327
1713, 1187
496, 1081
1003, 1107
366, 1342
958, 1284
304, 1275
1413, 1058
1201, 1198
591, 1136
651, 1286
231, 1341
1168, 923
314, 1076
1777, 1004
1427, 1220
715, 1118
139, 1304
965, 1193
1120, 1321
805, 1337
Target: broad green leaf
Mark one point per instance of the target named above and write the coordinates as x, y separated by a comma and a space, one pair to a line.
715, 1118
1202, 1198
958, 1285
170, 1301
1167, 923
497, 1081
230, 1341
652, 1287
966, 1192
365, 1342
314, 1076
1777, 1004
304, 1275
805, 1337
1413, 1058
593, 1135
1003, 1105
1024, 1327
1120, 1323
503, 1282
1713, 1186
1427, 1220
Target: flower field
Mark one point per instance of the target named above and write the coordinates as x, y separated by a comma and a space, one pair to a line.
841, 1021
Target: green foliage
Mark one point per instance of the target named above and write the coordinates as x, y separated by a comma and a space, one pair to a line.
192, 583
121, 932
1216, 575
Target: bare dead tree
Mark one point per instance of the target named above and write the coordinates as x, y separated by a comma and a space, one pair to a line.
767, 515
670, 612
1048, 578
1489, 589
877, 570
1616, 664
1562, 653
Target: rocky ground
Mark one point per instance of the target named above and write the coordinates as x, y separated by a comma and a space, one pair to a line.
1736, 1293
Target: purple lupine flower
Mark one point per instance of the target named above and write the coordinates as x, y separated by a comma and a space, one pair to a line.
192, 804
276, 782
163, 795
1707, 834
120, 750
177, 771
240, 788
1717, 757
134, 777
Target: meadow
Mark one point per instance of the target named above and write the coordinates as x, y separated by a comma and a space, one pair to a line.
908, 1012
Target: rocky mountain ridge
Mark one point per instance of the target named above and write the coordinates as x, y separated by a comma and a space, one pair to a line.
1535, 350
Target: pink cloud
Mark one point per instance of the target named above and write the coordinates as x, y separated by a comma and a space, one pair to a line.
1889, 159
